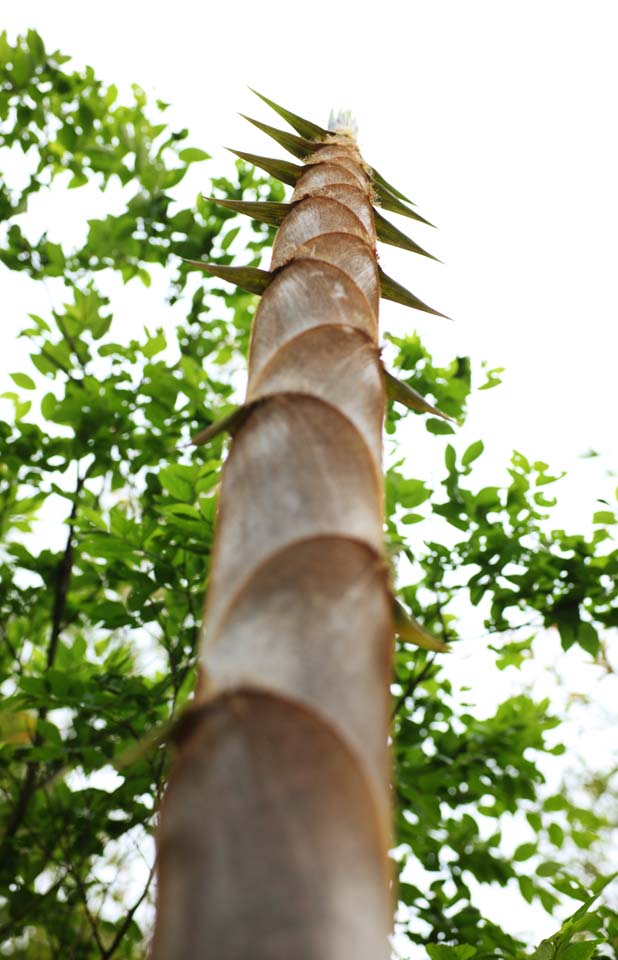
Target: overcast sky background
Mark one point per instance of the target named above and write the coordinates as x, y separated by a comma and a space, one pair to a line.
497, 118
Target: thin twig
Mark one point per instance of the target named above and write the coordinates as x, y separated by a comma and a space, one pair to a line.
91, 920
128, 919
412, 684
63, 578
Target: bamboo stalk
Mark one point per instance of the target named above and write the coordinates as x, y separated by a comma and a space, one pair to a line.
276, 823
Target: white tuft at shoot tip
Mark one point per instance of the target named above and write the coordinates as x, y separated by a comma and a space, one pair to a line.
343, 122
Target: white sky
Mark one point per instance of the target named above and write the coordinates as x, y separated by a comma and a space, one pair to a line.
497, 118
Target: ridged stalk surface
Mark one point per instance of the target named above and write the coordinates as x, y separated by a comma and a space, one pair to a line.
275, 827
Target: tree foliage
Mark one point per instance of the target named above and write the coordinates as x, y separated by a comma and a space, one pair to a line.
98, 624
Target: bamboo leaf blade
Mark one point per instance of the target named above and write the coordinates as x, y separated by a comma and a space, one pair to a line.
226, 424
409, 629
264, 211
391, 290
389, 201
298, 146
251, 279
306, 128
282, 170
388, 233
379, 181
410, 398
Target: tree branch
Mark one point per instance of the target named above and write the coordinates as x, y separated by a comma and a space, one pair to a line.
126, 923
63, 578
91, 920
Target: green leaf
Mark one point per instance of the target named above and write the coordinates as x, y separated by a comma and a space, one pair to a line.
580, 951
588, 638
472, 453
35, 45
175, 480
524, 851
23, 380
110, 95
154, 344
545, 951
555, 946
193, 155
604, 516
439, 951
229, 238
409, 518
438, 427
49, 405
548, 868
556, 834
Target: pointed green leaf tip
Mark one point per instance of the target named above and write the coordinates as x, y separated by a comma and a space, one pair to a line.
263, 211
391, 290
250, 279
305, 144
381, 182
410, 630
281, 169
307, 129
298, 146
557, 946
404, 393
389, 201
390, 234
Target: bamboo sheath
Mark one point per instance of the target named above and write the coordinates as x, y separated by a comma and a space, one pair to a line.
275, 827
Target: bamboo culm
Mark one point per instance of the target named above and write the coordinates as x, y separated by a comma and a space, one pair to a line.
275, 827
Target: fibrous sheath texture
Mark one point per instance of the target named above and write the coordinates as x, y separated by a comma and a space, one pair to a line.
275, 827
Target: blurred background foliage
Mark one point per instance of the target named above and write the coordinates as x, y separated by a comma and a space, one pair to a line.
107, 513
